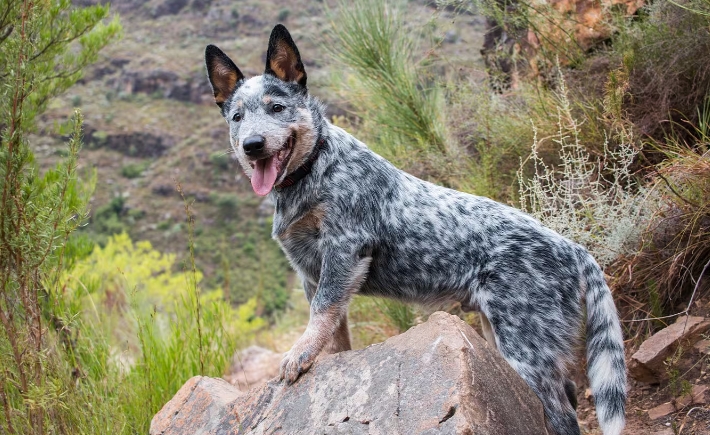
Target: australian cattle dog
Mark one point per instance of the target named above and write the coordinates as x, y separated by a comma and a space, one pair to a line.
352, 223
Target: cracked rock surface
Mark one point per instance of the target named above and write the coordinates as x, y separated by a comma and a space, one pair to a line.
439, 377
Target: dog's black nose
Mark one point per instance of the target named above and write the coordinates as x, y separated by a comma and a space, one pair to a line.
254, 145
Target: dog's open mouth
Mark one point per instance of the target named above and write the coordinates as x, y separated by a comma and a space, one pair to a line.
269, 169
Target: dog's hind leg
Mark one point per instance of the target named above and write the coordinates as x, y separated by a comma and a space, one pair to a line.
341, 338
536, 340
571, 391
488, 333
550, 385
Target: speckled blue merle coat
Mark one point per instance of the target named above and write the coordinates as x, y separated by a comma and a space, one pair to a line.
350, 222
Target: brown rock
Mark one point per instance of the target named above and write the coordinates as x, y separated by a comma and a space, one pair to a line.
646, 364
657, 412
438, 377
696, 397
253, 367
198, 406
703, 346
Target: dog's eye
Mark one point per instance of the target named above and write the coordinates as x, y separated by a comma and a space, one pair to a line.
278, 108
237, 117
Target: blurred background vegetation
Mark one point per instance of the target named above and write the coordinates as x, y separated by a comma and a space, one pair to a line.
134, 255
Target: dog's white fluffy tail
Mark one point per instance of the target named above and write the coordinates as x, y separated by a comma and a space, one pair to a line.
606, 366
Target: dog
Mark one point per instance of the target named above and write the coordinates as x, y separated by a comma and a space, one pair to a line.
351, 223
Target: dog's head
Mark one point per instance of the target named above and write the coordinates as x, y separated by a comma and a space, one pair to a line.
272, 130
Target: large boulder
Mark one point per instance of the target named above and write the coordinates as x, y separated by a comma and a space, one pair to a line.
439, 377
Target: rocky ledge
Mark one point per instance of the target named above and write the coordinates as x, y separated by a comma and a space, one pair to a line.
439, 377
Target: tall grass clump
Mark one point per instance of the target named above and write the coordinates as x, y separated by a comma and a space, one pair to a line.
670, 268
43, 48
399, 102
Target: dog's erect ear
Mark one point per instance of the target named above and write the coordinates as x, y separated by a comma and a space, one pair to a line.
223, 74
282, 58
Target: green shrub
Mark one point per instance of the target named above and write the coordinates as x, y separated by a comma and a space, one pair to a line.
108, 218
134, 170
665, 54
227, 203
284, 14
220, 160
593, 201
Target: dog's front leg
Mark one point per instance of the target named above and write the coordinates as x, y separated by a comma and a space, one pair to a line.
340, 277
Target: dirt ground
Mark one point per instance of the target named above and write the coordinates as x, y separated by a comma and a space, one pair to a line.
691, 369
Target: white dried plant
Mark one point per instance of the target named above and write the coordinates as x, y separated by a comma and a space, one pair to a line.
594, 201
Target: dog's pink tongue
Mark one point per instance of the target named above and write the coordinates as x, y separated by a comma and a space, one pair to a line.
264, 176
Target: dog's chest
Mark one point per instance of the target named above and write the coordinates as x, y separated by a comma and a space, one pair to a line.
300, 241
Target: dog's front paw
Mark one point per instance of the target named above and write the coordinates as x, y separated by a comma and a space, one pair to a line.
295, 362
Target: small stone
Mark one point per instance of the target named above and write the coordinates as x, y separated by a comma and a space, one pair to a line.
661, 411
703, 346
696, 397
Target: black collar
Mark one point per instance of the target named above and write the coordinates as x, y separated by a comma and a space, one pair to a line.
304, 169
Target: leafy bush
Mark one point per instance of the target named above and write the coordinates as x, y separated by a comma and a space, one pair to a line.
674, 253
227, 203
107, 219
666, 57
220, 160
284, 14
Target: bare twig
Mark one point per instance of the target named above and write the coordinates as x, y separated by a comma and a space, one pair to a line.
687, 309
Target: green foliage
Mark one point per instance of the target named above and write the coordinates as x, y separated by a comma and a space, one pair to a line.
134, 170
220, 160
395, 96
373, 320
43, 48
497, 131
676, 384
251, 263
162, 325
226, 203
669, 76
284, 14
399, 313
107, 219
